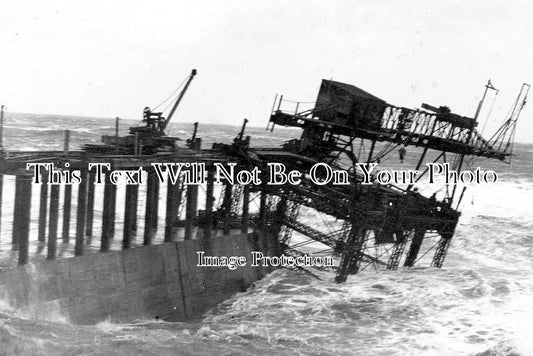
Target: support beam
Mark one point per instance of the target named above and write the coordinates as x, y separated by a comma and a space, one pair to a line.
227, 209
90, 206
263, 208
416, 243
191, 212
351, 258
67, 205
245, 208
108, 219
150, 216
130, 215
173, 203
396, 255
81, 214
442, 248
21, 221
43, 207
209, 203
52, 225
371, 151
279, 216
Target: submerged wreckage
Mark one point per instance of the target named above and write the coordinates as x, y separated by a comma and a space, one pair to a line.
380, 225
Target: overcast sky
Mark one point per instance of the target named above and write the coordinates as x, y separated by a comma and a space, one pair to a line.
113, 58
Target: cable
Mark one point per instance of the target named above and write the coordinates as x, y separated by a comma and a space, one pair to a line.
489, 113
298, 102
173, 93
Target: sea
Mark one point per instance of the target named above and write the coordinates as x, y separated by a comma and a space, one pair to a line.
479, 303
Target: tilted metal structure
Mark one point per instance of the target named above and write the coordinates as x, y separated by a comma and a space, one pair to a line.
380, 217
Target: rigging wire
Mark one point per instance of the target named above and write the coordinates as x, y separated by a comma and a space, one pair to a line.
425, 253
490, 112
167, 106
172, 94
298, 102
361, 147
380, 255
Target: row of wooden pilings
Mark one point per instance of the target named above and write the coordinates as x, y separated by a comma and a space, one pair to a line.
49, 207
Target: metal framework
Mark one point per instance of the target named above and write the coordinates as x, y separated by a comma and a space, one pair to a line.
380, 217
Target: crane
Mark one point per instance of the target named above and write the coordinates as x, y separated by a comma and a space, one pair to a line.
155, 122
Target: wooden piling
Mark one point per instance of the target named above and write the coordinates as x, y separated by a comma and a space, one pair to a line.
151, 211
21, 217
173, 202
90, 206
66, 143
43, 207
191, 212
108, 218
81, 214
16, 216
130, 215
113, 207
67, 205
245, 208
52, 224
155, 206
209, 202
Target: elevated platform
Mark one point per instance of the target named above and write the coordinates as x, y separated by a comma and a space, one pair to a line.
444, 137
346, 110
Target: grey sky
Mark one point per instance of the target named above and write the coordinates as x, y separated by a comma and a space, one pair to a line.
112, 58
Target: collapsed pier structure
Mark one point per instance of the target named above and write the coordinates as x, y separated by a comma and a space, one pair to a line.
384, 215
367, 224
